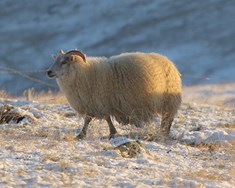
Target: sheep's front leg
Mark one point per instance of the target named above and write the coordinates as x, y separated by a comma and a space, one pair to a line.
112, 129
82, 134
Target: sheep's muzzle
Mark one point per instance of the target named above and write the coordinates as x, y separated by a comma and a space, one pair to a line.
50, 74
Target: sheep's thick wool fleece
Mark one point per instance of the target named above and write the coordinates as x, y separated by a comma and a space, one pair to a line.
136, 85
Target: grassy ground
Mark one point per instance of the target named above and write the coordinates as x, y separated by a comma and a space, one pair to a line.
41, 151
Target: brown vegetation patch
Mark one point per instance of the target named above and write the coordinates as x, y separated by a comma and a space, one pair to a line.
207, 175
6, 115
227, 125
3, 94
50, 97
201, 145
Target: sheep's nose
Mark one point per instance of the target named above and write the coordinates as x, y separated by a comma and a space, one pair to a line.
50, 74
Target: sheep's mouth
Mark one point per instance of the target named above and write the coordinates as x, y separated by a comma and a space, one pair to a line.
51, 75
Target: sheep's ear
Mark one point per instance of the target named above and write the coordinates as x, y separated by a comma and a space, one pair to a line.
61, 52
53, 56
76, 53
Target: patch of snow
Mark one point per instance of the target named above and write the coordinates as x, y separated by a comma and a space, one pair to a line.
43, 153
120, 140
212, 135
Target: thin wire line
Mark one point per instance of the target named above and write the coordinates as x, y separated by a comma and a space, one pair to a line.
196, 77
22, 73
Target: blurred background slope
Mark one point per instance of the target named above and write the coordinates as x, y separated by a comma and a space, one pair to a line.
198, 36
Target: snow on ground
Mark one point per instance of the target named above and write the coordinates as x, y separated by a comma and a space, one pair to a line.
213, 94
40, 150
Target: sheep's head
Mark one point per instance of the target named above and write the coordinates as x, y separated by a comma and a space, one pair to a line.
63, 63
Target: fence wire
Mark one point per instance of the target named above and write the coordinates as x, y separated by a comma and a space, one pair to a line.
24, 74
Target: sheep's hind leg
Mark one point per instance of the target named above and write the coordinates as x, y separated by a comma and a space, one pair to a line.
82, 134
112, 129
166, 125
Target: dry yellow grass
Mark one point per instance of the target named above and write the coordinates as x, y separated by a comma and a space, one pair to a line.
46, 97
220, 164
227, 125
4, 94
6, 115
50, 98
205, 174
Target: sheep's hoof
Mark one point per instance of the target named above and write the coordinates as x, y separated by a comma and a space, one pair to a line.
80, 136
112, 136
164, 136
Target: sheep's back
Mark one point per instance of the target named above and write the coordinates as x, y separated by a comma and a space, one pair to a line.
140, 84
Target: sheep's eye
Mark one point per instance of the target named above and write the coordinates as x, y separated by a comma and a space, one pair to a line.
63, 62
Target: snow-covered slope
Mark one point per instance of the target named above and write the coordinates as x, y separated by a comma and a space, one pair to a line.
211, 94
39, 151
198, 37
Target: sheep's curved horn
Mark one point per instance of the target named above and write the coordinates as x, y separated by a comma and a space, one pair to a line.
53, 56
61, 52
76, 52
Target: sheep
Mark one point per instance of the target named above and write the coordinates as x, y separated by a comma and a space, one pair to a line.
131, 87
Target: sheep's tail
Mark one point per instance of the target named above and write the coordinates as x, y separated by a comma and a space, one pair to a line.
172, 96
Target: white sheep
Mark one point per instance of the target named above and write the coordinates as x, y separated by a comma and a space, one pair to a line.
132, 87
